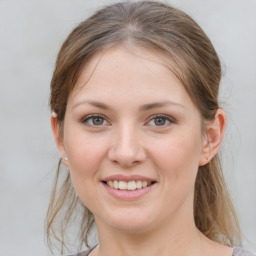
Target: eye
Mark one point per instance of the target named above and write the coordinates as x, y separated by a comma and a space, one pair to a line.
94, 120
160, 120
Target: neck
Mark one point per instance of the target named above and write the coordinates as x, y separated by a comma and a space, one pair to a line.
182, 240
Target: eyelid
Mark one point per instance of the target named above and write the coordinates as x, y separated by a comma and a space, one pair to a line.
88, 117
167, 117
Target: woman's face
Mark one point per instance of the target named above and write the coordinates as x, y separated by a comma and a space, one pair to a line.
130, 124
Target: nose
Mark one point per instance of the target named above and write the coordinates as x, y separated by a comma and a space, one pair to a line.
127, 148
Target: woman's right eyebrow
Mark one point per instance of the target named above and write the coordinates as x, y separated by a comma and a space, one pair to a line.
93, 103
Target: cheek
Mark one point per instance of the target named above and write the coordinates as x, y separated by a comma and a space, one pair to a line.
85, 158
85, 155
178, 157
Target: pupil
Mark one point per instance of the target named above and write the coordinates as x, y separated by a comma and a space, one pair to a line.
159, 121
98, 121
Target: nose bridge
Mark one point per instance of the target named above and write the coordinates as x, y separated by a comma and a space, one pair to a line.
127, 148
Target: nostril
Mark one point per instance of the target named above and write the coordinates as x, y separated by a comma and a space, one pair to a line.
126, 153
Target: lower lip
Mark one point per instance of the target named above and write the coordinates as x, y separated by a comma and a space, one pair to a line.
128, 194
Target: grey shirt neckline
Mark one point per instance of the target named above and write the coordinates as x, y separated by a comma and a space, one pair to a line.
237, 251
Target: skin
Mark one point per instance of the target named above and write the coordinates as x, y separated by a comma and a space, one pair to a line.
129, 140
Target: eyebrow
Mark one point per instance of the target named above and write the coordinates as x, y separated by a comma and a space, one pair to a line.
145, 107
159, 105
93, 103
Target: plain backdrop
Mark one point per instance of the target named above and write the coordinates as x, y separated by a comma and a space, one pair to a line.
31, 33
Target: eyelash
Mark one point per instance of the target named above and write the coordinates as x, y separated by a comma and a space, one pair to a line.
165, 117
86, 119
90, 117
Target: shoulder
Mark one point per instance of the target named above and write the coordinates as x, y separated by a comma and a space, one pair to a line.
242, 252
85, 253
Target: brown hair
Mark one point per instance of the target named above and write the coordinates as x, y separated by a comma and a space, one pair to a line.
192, 58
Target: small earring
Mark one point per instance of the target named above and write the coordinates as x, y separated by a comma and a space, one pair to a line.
65, 158
54, 114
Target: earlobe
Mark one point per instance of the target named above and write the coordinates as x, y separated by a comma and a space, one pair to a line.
58, 137
213, 137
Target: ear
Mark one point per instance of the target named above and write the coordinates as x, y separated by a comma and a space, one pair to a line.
214, 132
58, 138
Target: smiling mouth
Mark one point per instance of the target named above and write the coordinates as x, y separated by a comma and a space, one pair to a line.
130, 185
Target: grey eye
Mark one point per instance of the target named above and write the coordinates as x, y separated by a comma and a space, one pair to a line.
97, 120
159, 121
94, 120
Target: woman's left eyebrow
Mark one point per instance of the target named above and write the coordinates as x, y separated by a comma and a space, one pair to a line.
159, 105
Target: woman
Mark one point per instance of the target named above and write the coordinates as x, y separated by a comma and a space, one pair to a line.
136, 119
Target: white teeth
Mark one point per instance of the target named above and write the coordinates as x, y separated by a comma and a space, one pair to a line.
144, 184
131, 185
122, 185
110, 183
139, 184
115, 183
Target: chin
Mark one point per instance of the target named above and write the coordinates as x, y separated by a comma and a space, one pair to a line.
132, 228
128, 220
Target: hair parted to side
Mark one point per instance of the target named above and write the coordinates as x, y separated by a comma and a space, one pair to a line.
191, 57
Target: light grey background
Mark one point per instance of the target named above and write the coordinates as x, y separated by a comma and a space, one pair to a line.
31, 33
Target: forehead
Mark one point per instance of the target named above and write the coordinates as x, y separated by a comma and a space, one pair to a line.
125, 76
122, 60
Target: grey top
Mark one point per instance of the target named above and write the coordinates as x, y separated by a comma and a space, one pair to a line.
237, 252
241, 252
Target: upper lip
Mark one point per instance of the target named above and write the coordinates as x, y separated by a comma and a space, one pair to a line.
121, 177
